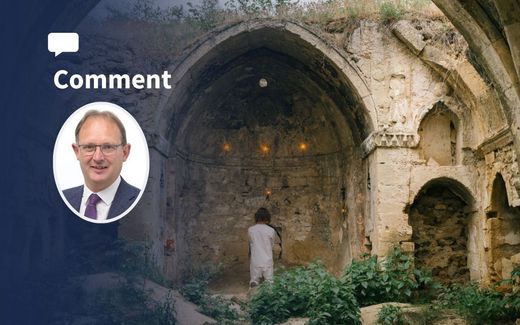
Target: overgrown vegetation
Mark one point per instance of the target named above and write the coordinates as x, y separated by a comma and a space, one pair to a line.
389, 12
208, 14
196, 291
130, 304
391, 315
128, 301
394, 279
164, 31
313, 292
499, 304
305, 292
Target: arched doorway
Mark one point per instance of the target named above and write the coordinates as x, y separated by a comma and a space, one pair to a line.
503, 233
439, 217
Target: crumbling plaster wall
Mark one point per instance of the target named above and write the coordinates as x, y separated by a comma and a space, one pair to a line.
405, 89
501, 205
397, 172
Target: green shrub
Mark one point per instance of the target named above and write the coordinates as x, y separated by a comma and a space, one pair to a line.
196, 291
480, 305
391, 315
395, 279
305, 292
366, 280
390, 12
218, 308
269, 304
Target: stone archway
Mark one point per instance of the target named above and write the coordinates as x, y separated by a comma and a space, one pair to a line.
439, 217
503, 233
265, 113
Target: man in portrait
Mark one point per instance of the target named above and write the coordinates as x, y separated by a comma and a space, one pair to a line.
101, 149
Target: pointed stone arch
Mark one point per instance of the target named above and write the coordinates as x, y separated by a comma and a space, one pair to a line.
503, 233
297, 41
440, 217
309, 84
440, 131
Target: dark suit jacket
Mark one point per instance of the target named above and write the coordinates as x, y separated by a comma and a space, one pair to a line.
125, 196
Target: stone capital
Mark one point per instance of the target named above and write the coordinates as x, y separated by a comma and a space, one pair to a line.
389, 140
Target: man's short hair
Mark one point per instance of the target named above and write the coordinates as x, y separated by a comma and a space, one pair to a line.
106, 115
262, 215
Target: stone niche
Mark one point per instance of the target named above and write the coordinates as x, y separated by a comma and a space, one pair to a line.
439, 133
439, 221
264, 134
503, 233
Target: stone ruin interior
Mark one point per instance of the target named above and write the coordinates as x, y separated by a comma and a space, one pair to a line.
355, 139
389, 140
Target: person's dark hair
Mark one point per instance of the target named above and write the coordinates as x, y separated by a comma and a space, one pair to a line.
103, 114
262, 215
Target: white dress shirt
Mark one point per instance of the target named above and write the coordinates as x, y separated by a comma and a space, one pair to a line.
107, 197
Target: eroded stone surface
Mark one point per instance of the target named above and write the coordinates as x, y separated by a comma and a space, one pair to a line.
379, 116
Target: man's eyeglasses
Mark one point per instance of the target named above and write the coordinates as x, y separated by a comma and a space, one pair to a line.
106, 149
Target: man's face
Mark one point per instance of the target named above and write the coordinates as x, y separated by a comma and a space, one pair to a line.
99, 169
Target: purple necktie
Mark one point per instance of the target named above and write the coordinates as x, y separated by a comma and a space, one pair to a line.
91, 211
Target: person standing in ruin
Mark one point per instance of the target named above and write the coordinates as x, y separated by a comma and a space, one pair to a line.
261, 242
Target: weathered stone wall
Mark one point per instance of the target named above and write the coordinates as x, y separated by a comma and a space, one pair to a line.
369, 84
284, 146
503, 233
408, 84
217, 204
440, 143
500, 200
439, 221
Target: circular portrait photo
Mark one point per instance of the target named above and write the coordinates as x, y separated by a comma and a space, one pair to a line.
101, 162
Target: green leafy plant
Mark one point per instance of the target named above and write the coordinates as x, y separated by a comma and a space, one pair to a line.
196, 291
478, 305
218, 308
394, 279
305, 292
391, 315
366, 280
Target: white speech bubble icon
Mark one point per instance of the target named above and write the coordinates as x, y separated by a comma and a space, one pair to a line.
62, 42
